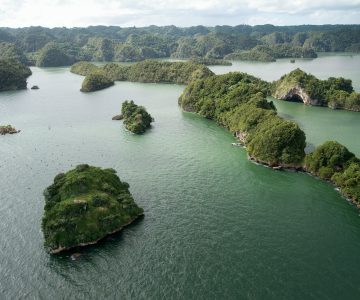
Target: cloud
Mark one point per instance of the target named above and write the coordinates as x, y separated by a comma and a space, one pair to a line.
301, 6
71, 13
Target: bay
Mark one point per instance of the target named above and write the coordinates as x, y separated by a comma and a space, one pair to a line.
216, 226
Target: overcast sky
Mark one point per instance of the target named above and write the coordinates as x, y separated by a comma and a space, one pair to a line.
72, 13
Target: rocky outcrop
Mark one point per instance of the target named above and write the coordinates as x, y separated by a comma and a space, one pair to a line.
296, 94
8, 129
241, 136
118, 117
276, 166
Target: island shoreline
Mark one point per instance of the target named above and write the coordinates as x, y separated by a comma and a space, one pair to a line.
63, 249
302, 169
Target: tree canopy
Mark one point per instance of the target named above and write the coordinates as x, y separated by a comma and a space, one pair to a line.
13, 75
84, 205
112, 43
52, 55
95, 81
237, 101
337, 93
333, 161
146, 71
136, 118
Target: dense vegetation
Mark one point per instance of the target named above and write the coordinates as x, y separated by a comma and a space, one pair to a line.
13, 75
136, 118
52, 55
337, 93
237, 102
146, 71
210, 61
272, 52
101, 43
95, 81
83, 68
10, 51
84, 205
333, 161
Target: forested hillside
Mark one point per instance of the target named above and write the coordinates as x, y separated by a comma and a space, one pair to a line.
112, 43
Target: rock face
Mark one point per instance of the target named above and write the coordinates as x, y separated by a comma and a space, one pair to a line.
117, 117
241, 136
296, 94
8, 129
85, 205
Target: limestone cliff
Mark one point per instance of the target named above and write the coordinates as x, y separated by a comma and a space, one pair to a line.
298, 86
297, 94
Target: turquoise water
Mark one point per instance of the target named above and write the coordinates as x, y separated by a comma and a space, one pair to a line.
216, 226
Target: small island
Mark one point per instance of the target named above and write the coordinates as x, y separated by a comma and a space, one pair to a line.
95, 81
85, 205
136, 118
8, 129
298, 86
13, 75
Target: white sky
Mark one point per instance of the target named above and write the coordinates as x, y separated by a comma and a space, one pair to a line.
76, 13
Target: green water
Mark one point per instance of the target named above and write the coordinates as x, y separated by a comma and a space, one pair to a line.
325, 66
216, 226
319, 124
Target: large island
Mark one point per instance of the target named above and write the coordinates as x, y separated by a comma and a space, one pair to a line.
148, 71
237, 101
84, 205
